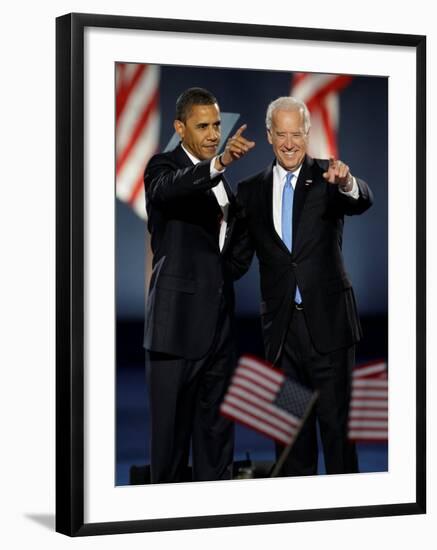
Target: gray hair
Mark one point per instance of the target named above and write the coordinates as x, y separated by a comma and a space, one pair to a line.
288, 103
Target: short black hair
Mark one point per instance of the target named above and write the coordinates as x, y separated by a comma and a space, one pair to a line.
192, 96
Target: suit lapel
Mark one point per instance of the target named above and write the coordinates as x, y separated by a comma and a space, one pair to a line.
231, 213
181, 158
303, 185
268, 205
229, 192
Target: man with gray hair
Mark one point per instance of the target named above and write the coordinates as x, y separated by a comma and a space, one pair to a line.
293, 214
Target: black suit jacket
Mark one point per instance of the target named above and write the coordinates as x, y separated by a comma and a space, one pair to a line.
190, 274
315, 263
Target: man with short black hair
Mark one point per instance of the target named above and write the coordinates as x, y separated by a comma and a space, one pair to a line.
190, 353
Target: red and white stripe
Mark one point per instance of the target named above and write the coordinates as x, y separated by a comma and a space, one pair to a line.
250, 396
137, 129
368, 414
320, 92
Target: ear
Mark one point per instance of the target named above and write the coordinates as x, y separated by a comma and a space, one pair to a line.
269, 136
179, 127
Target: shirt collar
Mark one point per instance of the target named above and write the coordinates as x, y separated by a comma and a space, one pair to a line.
282, 172
193, 159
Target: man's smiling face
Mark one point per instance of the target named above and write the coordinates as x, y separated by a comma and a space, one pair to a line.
288, 138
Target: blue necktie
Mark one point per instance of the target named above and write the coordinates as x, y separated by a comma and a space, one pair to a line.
287, 220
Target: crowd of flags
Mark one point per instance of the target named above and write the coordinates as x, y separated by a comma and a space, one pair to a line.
261, 397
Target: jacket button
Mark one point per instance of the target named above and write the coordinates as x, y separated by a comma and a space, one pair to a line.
293, 264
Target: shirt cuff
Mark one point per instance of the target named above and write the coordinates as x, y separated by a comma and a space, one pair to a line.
213, 170
354, 193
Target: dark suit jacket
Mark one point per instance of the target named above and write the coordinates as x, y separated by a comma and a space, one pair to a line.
190, 274
315, 263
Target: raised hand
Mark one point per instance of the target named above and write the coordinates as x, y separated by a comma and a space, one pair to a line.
236, 147
338, 173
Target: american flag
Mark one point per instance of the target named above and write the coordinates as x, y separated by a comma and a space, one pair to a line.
137, 129
321, 92
368, 414
263, 398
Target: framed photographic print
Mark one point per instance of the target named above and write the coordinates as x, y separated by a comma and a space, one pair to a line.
118, 80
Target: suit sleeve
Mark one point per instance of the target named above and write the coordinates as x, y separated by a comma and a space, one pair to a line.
164, 181
350, 206
241, 249
345, 204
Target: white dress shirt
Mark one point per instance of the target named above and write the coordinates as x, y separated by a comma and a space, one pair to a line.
279, 177
220, 194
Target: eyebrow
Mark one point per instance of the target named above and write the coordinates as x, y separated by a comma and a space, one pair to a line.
215, 123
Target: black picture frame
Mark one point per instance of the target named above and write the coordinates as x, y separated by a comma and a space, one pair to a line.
70, 489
